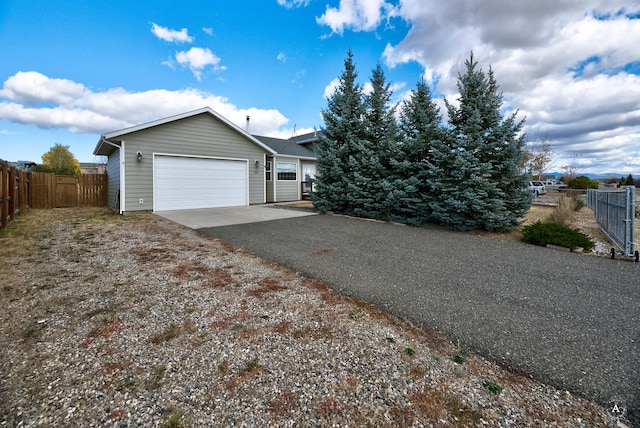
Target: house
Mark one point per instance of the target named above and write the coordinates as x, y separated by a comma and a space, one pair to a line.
24, 165
93, 168
199, 159
298, 147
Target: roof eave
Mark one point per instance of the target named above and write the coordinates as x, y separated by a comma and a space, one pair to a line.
117, 135
103, 147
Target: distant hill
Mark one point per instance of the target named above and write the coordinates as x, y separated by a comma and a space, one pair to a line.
602, 176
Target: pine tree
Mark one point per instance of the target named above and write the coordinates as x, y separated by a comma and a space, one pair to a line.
481, 185
415, 172
340, 143
376, 151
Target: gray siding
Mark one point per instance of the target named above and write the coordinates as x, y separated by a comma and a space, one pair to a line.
200, 135
287, 191
113, 178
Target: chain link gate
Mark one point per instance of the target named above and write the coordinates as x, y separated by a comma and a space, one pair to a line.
615, 213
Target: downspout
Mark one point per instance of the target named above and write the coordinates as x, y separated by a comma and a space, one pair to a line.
299, 179
122, 180
274, 178
121, 167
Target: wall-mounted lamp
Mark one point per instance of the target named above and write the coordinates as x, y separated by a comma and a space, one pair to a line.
257, 163
139, 156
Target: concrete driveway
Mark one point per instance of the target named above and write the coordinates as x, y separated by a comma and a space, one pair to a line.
571, 320
217, 217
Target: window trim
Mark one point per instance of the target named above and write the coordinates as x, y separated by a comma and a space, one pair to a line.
288, 163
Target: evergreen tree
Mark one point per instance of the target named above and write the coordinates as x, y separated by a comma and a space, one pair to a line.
376, 151
339, 145
481, 185
414, 171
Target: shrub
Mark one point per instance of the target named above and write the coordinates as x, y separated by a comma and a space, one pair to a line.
582, 182
556, 234
563, 213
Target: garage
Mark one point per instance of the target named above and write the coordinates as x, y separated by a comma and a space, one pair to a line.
181, 182
199, 160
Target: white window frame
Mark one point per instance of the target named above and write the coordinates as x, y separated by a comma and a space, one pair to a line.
295, 167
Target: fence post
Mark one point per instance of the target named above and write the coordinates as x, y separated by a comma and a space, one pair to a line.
631, 212
4, 192
12, 193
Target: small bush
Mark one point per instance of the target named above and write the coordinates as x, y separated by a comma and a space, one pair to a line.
462, 356
556, 234
582, 182
578, 203
563, 213
493, 388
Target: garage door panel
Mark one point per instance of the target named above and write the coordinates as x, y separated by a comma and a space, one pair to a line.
190, 183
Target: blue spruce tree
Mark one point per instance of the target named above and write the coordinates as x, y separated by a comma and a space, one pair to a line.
415, 172
338, 150
376, 151
481, 185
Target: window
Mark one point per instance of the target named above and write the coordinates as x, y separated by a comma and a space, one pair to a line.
267, 168
287, 171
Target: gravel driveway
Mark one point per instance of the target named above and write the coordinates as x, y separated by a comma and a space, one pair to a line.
570, 320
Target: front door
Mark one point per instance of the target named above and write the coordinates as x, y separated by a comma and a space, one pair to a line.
308, 174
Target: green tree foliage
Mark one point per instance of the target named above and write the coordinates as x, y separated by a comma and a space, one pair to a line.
628, 181
59, 160
464, 175
481, 187
341, 144
378, 149
415, 169
582, 182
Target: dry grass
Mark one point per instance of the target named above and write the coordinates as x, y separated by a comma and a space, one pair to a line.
173, 331
169, 280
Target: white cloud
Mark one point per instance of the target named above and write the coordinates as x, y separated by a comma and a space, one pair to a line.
282, 57
35, 88
331, 87
294, 3
564, 64
197, 59
208, 30
356, 15
49, 105
168, 35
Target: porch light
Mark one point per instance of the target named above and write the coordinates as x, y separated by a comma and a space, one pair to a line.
257, 163
139, 156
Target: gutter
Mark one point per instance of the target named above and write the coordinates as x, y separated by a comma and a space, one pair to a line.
104, 140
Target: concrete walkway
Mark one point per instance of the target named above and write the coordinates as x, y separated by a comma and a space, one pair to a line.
217, 217
571, 320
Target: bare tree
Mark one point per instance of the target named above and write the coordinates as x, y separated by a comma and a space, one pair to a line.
538, 156
572, 167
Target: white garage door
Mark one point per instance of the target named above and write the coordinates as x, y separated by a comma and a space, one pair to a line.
181, 183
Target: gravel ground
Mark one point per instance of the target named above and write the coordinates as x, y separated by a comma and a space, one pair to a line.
136, 321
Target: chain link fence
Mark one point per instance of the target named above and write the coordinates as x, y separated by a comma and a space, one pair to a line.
615, 213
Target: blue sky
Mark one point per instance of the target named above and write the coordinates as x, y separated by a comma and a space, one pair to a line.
73, 70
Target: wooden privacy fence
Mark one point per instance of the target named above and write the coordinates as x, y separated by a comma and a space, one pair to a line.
61, 191
20, 190
13, 192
